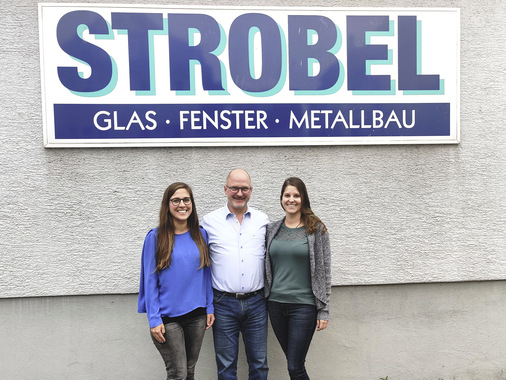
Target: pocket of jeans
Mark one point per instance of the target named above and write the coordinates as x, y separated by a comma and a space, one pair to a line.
218, 297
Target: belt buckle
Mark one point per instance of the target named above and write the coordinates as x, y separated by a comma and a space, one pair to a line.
240, 296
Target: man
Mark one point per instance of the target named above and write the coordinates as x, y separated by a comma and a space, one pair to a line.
237, 249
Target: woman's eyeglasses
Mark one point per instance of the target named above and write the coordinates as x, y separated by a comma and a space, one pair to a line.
177, 201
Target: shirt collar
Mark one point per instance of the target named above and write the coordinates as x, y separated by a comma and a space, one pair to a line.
227, 211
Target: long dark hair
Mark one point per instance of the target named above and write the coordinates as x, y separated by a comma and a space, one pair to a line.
308, 218
167, 236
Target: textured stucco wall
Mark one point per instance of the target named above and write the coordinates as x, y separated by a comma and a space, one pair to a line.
72, 221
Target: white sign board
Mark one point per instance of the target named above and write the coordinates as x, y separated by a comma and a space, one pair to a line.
124, 75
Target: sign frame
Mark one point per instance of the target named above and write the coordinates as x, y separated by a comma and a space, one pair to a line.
56, 97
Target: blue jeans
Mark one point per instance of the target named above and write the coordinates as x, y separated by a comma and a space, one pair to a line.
249, 317
294, 326
181, 348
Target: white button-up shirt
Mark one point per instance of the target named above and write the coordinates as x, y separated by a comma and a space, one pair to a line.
237, 250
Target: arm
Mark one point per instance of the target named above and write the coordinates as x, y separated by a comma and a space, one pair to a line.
209, 297
324, 248
209, 289
149, 282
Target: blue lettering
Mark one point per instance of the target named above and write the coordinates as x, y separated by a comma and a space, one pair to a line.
240, 52
359, 52
310, 57
182, 51
71, 43
409, 77
138, 26
302, 52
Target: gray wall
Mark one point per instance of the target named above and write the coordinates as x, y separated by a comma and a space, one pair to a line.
72, 221
405, 332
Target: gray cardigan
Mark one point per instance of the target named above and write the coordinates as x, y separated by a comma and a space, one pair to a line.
319, 259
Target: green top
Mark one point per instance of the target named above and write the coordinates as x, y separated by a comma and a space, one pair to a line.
291, 273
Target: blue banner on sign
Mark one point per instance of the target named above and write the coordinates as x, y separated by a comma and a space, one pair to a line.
147, 121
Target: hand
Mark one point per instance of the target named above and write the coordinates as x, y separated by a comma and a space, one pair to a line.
321, 324
158, 333
210, 320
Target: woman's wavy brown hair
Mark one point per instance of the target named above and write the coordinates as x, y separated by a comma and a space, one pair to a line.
166, 235
308, 218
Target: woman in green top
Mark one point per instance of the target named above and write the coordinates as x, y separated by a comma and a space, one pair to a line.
297, 276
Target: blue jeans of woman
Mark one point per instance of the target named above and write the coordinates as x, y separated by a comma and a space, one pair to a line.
248, 317
181, 348
294, 326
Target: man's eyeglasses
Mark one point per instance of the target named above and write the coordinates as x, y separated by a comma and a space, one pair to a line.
235, 189
177, 201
